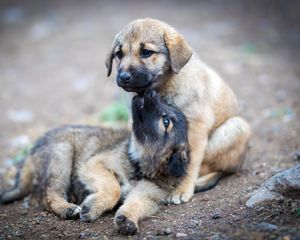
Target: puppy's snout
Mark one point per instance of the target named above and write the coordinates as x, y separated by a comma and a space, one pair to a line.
125, 77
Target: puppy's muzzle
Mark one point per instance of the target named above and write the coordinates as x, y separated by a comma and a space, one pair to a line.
134, 80
124, 78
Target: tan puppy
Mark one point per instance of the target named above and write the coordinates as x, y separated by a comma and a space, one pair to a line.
83, 171
152, 54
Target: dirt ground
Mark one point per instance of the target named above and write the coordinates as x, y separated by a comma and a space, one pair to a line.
52, 72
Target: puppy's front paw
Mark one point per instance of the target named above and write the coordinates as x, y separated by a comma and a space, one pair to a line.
72, 212
125, 226
178, 197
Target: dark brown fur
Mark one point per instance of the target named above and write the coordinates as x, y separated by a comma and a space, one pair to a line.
83, 171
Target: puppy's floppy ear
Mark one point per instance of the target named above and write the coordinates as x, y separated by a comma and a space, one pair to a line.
179, 50
109, 62
111, 55
178, 162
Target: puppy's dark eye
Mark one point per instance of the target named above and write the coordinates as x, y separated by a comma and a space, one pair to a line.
166, 122
119, 54
145, 53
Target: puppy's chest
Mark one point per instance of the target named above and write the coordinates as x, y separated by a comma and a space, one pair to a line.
167, 183
192, 104
159, 176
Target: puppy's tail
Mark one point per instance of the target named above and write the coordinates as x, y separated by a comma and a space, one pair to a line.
208, 181
23, 183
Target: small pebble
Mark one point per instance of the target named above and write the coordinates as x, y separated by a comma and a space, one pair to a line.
83, 235
216, 215
205, 198
195, 222
181, 235
19, 234
167, 231
44, 214
44, 236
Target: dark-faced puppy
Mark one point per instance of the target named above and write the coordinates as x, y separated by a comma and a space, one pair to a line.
82, 171
150, 54
162, 131
159, 153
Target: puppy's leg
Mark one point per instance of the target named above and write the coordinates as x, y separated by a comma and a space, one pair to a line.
58, 183
198, 141
55, 200
224, 153
104, 187
208, 181
142, 201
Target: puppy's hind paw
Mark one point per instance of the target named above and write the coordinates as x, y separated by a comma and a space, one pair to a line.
125, 226
72, 212
88, 214
90, 209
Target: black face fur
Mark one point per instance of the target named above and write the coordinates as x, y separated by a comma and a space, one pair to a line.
140, 78
162, 131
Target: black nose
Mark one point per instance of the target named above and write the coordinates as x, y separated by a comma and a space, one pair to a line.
125, 77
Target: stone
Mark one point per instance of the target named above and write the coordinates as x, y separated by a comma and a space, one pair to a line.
266, 227
165, 231
283, 184
181, 235
151, 237
216, 215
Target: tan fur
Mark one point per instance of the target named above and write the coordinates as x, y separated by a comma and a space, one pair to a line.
208, 181
102, 181
141, 202
206, 100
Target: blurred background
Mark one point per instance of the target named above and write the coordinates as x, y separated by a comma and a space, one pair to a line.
52, 72
52, 56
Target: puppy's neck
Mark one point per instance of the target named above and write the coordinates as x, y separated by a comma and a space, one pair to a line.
185, 87
135, 149
144, 161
